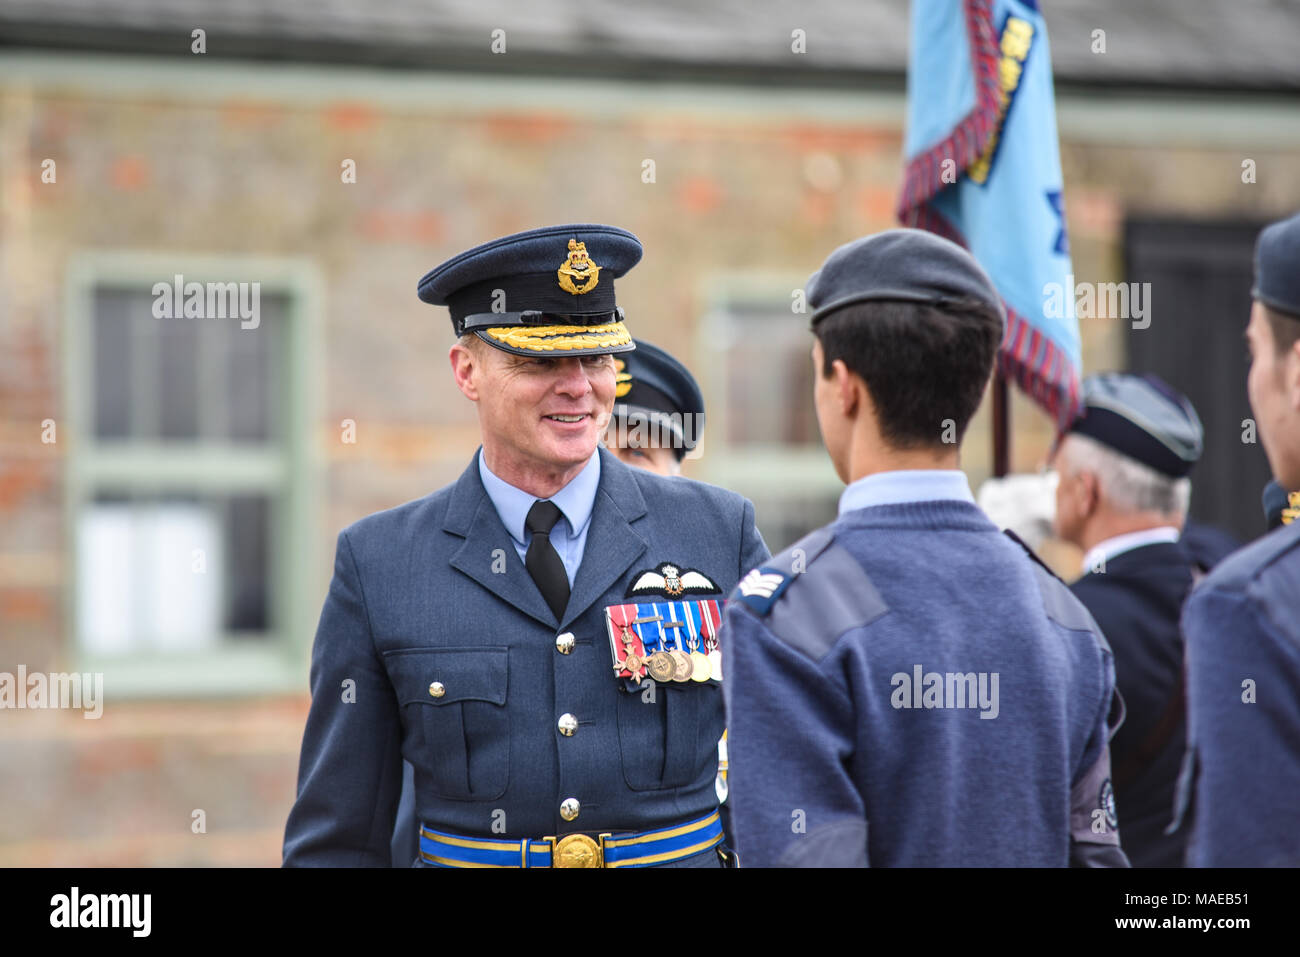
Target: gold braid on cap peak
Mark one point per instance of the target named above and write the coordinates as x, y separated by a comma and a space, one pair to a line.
564, 338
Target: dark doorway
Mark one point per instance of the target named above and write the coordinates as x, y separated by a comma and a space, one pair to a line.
1200, 275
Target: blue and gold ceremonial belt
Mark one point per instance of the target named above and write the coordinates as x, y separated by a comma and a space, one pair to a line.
662, 846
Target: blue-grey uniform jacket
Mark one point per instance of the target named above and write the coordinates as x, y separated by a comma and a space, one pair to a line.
906, 687
434, 592
1242, 773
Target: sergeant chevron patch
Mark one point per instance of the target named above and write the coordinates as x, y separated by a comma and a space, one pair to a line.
671, 581
761, 588
756, 583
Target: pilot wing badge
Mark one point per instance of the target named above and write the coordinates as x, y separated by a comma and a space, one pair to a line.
672, 581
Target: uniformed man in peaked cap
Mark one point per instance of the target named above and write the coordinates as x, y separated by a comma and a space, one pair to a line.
907, 686
1242, 773
536, 637
658, 419
658, 410
1123, 497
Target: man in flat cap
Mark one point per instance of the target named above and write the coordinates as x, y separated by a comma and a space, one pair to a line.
1241, 623
1122, 498
907, 686
516, 635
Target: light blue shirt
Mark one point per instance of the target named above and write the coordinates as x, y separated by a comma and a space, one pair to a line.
906, 486
575, 501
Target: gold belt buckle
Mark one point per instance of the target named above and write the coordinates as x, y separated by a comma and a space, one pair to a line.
577, 850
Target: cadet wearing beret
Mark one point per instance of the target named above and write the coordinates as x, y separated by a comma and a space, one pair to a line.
1241, 625
907, 686
1122, 498
473, 631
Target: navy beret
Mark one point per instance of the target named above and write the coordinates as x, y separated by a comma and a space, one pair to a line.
655, 388
542, 291
1144, 418
1277, 266
908, 265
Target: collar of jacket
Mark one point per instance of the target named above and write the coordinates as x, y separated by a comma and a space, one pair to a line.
613, 544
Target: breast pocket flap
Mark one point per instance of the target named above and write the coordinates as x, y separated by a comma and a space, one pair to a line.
444, 676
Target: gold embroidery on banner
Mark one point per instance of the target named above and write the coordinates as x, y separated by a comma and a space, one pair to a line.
1017, 36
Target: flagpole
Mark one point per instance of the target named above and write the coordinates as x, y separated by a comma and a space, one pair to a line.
1001, 427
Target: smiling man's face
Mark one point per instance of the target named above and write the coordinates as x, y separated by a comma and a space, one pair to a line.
540, 414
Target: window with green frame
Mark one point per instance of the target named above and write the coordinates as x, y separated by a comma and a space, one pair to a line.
762, 438
189, 482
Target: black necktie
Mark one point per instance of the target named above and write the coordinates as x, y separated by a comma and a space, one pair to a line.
542, 560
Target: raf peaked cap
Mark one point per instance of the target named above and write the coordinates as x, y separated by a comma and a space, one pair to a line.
654, 387
546, 291
1143, 418
1277, 267
908, 265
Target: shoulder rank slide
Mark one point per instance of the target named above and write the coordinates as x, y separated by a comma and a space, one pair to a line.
761, 588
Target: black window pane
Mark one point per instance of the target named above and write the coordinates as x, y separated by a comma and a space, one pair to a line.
1203, 272
112, 365
178, 363
250, 356
247, 563
185, 378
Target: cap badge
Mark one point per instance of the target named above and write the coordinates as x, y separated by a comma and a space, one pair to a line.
578, 274
622, 379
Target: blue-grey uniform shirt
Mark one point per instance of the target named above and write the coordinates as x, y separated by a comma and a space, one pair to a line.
434, 591
575, 502
1242, 772
908, 687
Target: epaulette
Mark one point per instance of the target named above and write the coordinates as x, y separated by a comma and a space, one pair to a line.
1032, 554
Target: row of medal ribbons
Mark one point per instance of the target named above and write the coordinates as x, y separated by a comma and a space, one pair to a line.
667, 641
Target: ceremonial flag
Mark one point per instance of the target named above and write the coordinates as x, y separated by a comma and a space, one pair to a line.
984, 169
